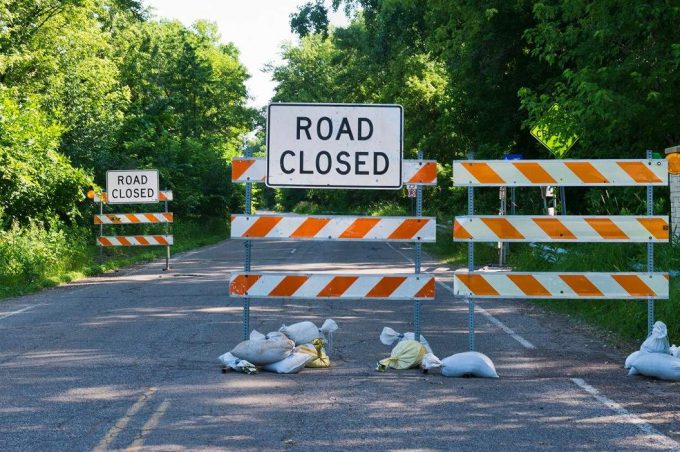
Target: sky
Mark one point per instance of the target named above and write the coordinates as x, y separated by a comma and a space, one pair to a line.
257, 27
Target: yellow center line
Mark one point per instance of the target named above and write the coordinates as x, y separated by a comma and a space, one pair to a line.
151, 424
123, 421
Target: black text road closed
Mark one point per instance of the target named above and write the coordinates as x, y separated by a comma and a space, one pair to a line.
131, 187
334, 145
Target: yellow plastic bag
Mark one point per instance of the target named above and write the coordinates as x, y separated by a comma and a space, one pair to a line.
405, 355
317, 350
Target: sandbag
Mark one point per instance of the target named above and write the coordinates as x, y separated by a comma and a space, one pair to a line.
675, 351
659, 365
305, 332
472, 364
405, 355
657, 342
319, 358
632, 358
389, 337
261, 349
239, 365
292, 364
430, 362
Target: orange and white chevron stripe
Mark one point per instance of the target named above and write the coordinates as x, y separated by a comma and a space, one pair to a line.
404, 229
133, 218
319, 285
520, 228
253, 169
419, 172
523, 173
561, 285
165, 195
135, 240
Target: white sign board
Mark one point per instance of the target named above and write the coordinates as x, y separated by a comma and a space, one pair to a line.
132, 187
334, 145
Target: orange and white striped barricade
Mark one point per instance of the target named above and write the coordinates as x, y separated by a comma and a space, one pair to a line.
321, 227
526, 228
527, 173
648, 229
332, 286
166, 218
254, 170
568, 285
133, 218
247, 227
135, 240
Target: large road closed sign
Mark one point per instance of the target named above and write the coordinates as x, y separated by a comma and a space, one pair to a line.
334, 145
132, 187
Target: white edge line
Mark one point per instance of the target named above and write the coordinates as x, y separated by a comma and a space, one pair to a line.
10, 314
525, 343
659, 437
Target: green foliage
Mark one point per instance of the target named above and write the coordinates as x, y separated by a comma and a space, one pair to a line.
30, 255
616, 74
36, 182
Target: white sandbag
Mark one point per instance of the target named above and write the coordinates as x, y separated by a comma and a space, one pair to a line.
290, 365
632, 357
389, 337
675, 351
657, 342
659, 365
430, 362
473, 364
261, 349
239, 365
305, 332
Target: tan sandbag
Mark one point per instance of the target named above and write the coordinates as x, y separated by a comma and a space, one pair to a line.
405, 355
317, 350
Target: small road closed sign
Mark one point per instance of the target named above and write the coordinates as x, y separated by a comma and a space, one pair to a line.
334, 145
132, 186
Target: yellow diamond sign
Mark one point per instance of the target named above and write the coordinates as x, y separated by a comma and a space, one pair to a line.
549, 132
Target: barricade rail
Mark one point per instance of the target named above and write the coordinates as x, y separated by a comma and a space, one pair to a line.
332, 286
527, 228
338, 227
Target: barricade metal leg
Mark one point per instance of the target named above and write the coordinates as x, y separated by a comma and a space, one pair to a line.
246, 263
167, 248
471, 267
419, 251
101, 231
650, 253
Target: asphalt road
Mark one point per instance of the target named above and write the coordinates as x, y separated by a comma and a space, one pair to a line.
129, 361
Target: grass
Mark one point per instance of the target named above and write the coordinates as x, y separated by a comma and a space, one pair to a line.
33, 258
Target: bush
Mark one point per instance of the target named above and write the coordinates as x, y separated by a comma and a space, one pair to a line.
32, 254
